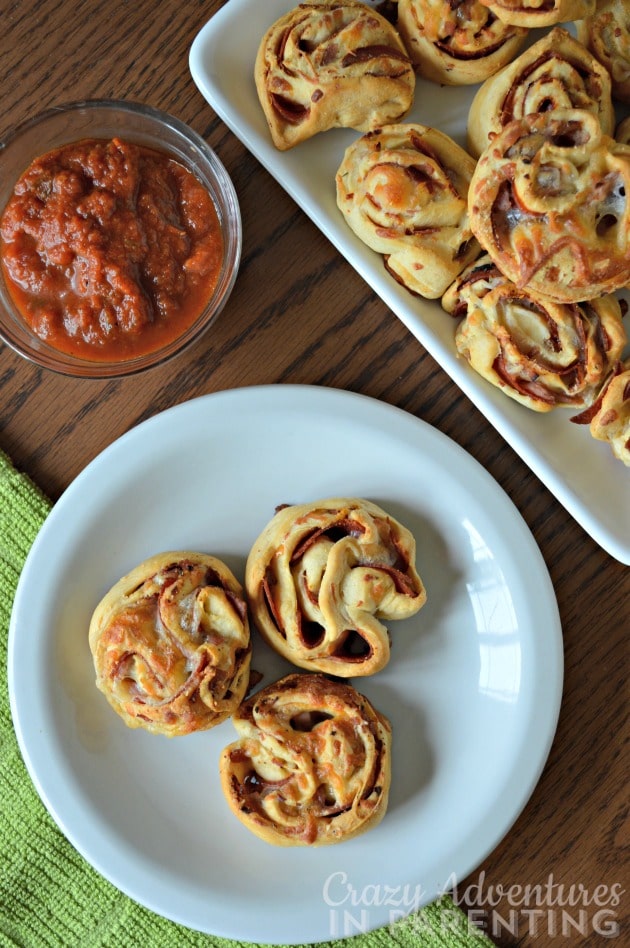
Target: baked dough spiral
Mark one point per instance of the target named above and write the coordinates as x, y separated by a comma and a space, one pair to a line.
312, 765
556, 72
542, 354
403, 190
549, 202
607, 34
332, 63
609, 416
171, 644
534, 13
456, 42
322, 576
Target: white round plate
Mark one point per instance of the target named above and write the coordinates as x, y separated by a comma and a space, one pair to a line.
472, 690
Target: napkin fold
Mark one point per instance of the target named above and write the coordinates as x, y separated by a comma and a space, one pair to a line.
50, 897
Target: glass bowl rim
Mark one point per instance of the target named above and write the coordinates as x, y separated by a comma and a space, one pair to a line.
231, 229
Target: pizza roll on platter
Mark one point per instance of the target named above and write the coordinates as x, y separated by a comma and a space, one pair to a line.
312, 764
540, 353
456, 42
535, 13
549, 202
403, 190
322, 578
556, 72
607, 34
332, 63
171, 644
609, 416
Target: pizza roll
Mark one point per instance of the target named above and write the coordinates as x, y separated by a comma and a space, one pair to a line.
456, 42
171, 644
549, 202
322, 576
312, 765
332, 63
403, 190
540, 353
606, 32
609, 416
556, 72
534, 13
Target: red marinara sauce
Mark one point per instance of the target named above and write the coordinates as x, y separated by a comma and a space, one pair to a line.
110, 250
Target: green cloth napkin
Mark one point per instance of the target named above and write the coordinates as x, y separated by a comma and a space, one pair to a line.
50, 897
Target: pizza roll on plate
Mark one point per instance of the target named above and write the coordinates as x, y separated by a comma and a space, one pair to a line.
312, 764
171, 644
323, 577
331, 63
456, 42
556, 72
549, 202
403, 190
609, 416
540, 353
607, 34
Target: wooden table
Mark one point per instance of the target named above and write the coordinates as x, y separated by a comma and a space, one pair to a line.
571, 831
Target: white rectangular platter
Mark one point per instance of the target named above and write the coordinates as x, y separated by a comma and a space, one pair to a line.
582, 473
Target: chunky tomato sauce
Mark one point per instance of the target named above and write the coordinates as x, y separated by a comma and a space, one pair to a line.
110, 250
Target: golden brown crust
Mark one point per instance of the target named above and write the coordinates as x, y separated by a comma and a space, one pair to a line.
542, 354
171, 644
606, 33
403, 190
609, 417
312, 765
549, 202
456, 42
556, 72
321, 577
328, 64
535, 13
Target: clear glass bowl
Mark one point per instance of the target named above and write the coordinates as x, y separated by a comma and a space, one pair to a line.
144, 126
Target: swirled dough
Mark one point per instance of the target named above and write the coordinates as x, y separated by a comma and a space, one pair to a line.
540, 353
534, 13
332, 63
549, 202
607, 34
456, 42
312, 765
609, 416
171, 644
403, 190
322, 576
556, 72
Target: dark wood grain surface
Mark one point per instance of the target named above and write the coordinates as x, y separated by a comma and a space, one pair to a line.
300, 314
